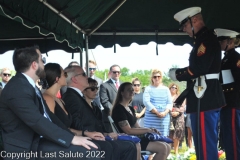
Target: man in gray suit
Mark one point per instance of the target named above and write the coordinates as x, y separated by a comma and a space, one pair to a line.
92, 69
108, 90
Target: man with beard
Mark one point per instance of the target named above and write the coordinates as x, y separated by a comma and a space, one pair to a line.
28, 127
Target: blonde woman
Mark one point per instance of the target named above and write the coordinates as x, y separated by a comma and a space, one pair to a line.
158, 102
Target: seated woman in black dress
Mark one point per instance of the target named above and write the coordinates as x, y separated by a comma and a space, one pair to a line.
126, 121
56, 78
89, 95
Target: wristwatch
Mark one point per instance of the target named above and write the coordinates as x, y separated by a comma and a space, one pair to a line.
83, 131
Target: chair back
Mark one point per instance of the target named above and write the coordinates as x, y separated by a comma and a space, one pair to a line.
114, 127
115, 130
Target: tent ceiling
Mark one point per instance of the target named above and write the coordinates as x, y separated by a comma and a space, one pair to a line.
135, 21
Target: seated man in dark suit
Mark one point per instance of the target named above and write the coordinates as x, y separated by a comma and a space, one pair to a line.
85, 119
27, 123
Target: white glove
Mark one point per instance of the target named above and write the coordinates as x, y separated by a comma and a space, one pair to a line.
172, 74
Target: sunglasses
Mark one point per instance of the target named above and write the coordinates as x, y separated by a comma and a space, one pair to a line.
156, 77
6, 74
116, 72
92, 88
136, 85
92, 69
173, 87
83, 74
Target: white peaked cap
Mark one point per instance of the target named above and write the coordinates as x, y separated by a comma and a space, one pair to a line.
225, 33
186, 13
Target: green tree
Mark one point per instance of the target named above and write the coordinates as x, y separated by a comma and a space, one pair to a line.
125, 71
142, 75
102, 74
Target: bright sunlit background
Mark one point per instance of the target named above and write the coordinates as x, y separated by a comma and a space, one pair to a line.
134, 57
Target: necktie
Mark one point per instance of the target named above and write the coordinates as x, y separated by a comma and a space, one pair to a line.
45, 114
117, 84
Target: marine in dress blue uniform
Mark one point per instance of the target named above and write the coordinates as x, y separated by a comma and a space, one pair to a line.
230, 79
204, 66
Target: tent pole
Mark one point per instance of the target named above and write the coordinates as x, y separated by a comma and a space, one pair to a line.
86, 49
80, 61
140, 33
62, 15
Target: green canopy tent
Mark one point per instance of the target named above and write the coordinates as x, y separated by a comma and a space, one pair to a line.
61, 24
79, 24
45, 22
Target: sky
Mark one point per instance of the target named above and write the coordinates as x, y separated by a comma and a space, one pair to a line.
134, 57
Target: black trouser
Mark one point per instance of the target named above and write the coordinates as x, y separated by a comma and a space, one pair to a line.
107, 150
124, 150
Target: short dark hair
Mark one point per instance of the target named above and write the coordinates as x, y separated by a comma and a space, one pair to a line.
23, 58
70, 64
92, 81
115, 65
52, 70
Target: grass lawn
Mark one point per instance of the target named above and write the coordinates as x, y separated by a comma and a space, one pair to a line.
181, 150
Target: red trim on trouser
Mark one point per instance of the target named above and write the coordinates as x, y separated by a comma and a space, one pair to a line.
204, 148
234, 134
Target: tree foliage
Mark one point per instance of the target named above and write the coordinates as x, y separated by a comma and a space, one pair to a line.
143, 75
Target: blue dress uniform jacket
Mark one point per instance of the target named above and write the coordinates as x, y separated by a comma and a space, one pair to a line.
230, 115
231, 91
205, 58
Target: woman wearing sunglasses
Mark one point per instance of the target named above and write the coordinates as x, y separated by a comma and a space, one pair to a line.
158, 102
137, 101
91, 92
177, 118
97, 117
56, 78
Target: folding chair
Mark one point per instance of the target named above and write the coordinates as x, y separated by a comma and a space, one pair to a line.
115, 130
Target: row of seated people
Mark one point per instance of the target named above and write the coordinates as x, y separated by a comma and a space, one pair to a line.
84, 117
30, 124
34, 129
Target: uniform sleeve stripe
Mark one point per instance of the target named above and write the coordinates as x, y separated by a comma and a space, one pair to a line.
190, 72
